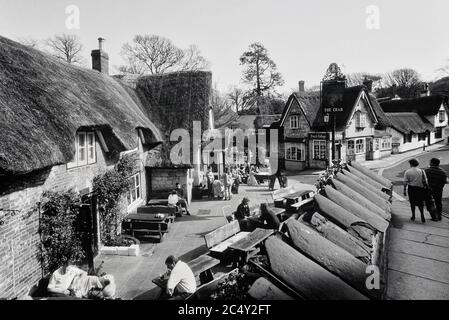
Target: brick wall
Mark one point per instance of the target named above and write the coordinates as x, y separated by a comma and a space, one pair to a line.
19, 254
164, 179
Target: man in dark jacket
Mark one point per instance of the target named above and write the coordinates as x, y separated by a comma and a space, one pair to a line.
437, 178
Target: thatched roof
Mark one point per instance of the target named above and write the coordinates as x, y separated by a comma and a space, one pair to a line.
424, 106
264, 121
45, 101
174, 101
408, 122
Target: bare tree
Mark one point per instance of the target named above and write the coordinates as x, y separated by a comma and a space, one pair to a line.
357, 78
67, 47
240, 99
222, 108
152, 54
404, 82
260, 71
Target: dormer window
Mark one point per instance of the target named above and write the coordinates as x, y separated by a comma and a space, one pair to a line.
294, 122
442, 115
85, 151
360, 120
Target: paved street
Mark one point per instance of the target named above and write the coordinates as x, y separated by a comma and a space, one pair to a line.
185, 240
418, 265
418, 254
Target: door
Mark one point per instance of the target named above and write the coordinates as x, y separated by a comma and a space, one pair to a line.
87, 227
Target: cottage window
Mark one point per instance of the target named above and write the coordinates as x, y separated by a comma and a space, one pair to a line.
295, 152
319, 149
408, 137
85, 152
360, 120
422, 136
294, 122
386, 143
359, 146
134, 193
439, 133
442, 115
351, 147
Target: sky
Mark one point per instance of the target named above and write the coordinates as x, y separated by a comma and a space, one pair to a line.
302, 37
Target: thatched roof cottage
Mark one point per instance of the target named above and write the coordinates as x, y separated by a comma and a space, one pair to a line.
60, 125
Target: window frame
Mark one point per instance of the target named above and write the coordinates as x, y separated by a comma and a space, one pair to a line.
351, 149
360, 119
377, 144
89, 150
321, 144
293, 149
442, 115
296, 120
134, 194
363, 150
387, 142
439, 131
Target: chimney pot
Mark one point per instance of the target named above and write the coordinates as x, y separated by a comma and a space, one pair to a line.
301, 86
100, 59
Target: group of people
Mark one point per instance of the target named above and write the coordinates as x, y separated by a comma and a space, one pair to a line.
224, 187
249, 222
421, 184
70, 281
177, 199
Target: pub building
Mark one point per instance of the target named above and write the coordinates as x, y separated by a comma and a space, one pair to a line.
309, 118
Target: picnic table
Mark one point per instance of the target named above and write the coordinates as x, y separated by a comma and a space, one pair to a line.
201, 268
147, 223
158, 202
247, 246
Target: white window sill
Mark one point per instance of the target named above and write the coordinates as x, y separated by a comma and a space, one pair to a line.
133, 206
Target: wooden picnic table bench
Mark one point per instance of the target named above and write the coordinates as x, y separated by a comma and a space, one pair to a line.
201, 268
247, 247
159, 209
158, 224
219, 240
158, 202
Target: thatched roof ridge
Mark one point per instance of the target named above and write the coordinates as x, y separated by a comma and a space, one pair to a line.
45, 101
409, 122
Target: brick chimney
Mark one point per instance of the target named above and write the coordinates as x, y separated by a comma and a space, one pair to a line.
301, 86
100, 59
368, 83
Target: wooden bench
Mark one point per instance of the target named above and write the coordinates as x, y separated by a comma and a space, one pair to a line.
219, 240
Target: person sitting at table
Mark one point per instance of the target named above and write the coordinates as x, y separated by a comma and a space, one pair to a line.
268, 218
181, 280
182, 201
173, 201
62, 278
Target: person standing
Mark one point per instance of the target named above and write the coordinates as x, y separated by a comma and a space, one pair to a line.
413, 183
437, 178
227, 184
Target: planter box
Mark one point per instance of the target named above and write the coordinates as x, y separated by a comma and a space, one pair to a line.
132, 250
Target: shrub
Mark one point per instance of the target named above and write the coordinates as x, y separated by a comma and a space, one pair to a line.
110, 187
59, 240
